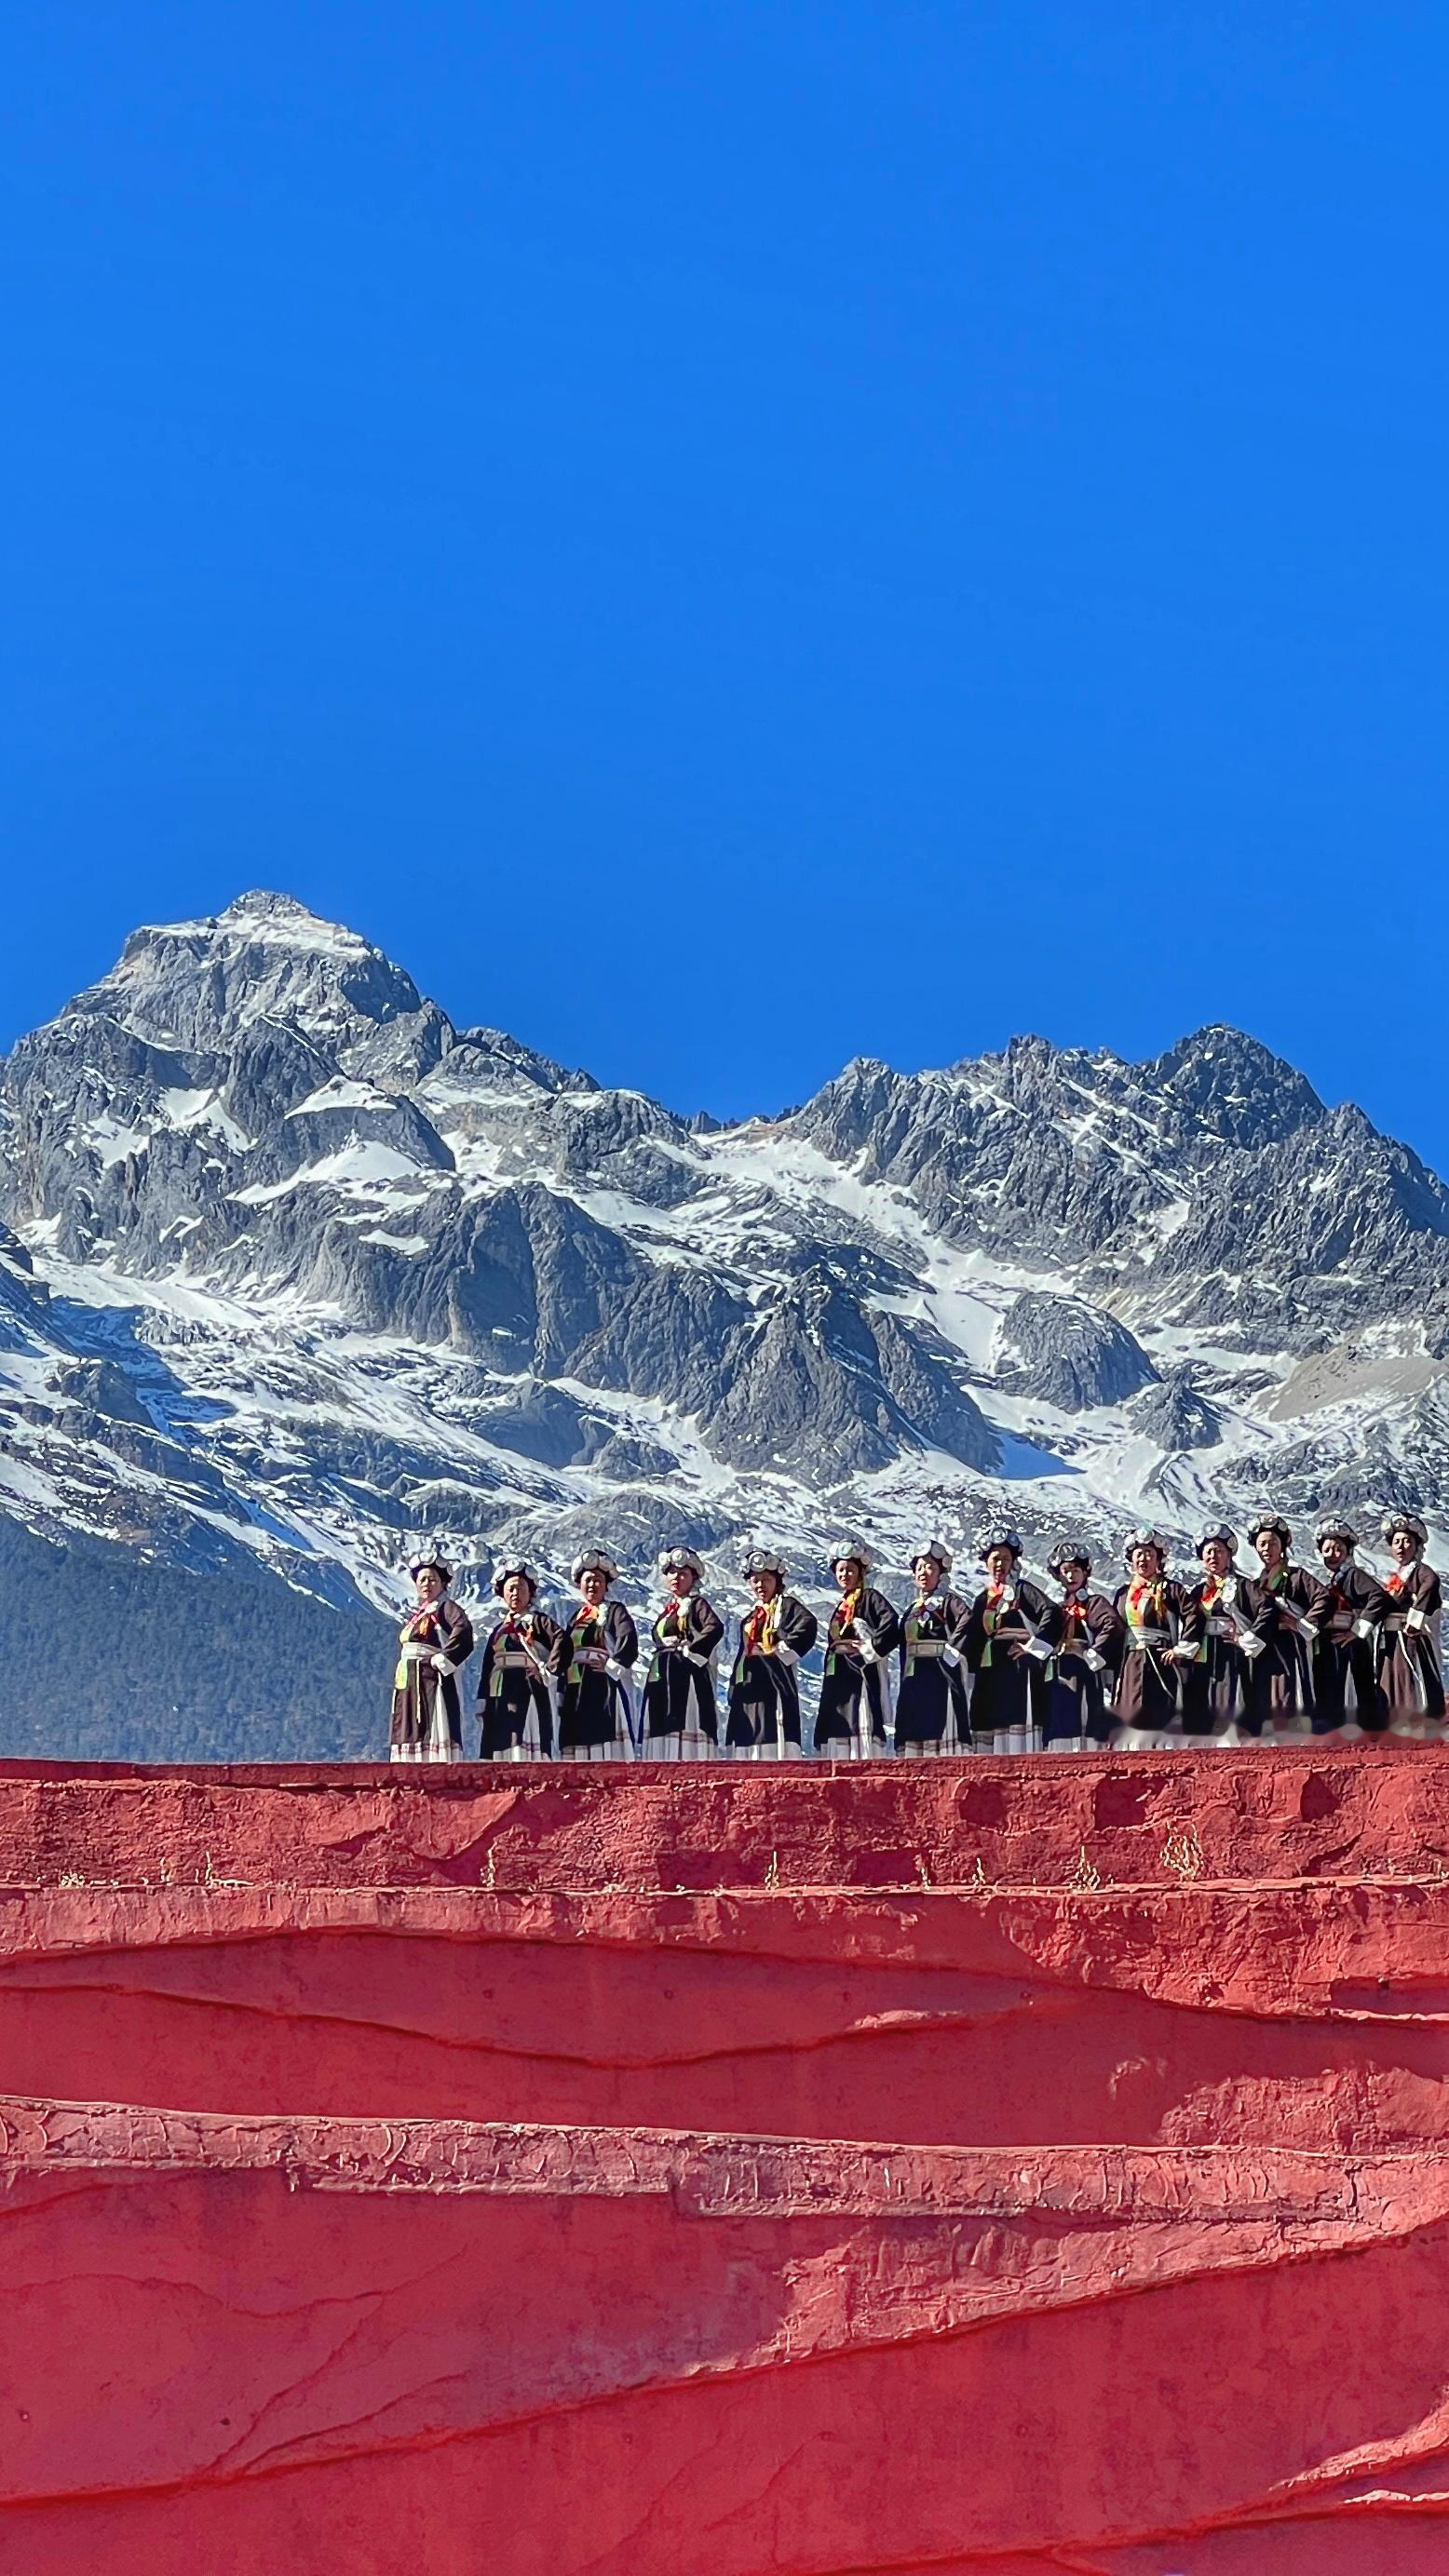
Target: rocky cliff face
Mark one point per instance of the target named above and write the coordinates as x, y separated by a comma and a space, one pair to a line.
292, 1270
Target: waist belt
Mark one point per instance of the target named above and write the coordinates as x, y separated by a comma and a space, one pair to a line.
1143, 1639
1396, 1622
416, 1654
926, 1646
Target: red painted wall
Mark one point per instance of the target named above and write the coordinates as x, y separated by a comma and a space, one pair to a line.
990, 2167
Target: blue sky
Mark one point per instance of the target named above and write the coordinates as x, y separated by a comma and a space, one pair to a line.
904, 522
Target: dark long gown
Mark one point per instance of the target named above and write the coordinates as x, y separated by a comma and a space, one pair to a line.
855, 1705
1346, 1653
515, 1696
1010, 1637
932, 1708
1233, 1618
681, 1714
764, 1707
1278, 1685
427, 1711
1083, 1670
1410, 1675
595, 1719
1155, 1616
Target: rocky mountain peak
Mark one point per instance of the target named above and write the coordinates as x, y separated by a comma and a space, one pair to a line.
313, 1271
1226, 1085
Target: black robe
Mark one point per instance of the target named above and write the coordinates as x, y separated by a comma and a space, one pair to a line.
1147, 1681
420, 1693
765, 1684
1279, 1683
854, 1694
1076, 1690
1232, 1633
1410, 1675
513, 1684
1345, 1662
594, 1704
680, 1687
931, 1693
1009, 1683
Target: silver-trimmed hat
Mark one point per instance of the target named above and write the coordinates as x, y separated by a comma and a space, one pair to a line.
1273, 1521
594, 1560
764, 1560
1068, 1551
1409, 1521
430, 1561
998, 1534
519, 1566
676, 1560
933, 1553
1336, 1529
1144, 1538
1221, 1534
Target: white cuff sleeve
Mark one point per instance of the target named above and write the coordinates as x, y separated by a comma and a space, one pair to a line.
1364, 1628
1039, 1648
1094, 1662
1415, 1619
950, 1657
614, 1668
1250, 1644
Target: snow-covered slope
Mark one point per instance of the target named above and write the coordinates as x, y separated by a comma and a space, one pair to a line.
295, 1271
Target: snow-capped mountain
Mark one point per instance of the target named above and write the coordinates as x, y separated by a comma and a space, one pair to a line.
293, 1271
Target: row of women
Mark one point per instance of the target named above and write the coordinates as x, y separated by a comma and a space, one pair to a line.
1225, 1654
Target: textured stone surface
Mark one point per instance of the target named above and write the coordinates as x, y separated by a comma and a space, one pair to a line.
966, 2167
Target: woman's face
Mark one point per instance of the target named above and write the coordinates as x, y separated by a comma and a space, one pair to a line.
517, 1593
928, 1575
1402, 1546
849, 1575
1216, 1559
1270, 1549
594, 1586
764, 1586
1146, 1564
1333, 1553
681, 1581
1000, 1564
430, 1584
1073, 1574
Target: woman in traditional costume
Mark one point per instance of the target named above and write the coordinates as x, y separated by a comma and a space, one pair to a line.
1011, 1637
515, 1685
681, 1716
1233, 1621
433, 1646
1089, 1650
1278, 1692
1346, 1690
764, 1708
1161, 1618
591, 1659
931, 1695
855, 1694
1410, 1675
